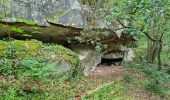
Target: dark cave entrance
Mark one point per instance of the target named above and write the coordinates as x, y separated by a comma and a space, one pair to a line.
109, 62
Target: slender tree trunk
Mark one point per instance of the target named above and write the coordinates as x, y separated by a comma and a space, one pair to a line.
168, 52
159, 51
149, 50
159, 55
154, 51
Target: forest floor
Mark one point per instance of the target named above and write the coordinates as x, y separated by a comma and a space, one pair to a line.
104, 83
113, 82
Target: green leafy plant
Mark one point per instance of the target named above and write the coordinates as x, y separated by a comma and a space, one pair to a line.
157, 82
11, 51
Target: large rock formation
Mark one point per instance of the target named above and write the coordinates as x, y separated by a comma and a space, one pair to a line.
60, 21
43, 12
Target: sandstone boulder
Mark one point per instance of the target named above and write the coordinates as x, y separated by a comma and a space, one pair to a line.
89, 57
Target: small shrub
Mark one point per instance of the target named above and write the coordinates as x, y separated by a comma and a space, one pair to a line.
156, 80
6, 67
11, 51
127, 78
157, 83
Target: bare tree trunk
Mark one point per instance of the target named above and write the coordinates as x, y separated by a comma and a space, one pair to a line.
168, 53
149, 50
152, 51
159, 55
159, 51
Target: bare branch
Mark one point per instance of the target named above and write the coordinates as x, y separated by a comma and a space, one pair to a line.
160, 39
151, 38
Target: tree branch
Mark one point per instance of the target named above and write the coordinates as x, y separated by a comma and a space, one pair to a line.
161, 37
151, 38
136, 8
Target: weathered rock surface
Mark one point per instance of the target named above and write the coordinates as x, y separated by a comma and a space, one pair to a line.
113, 55
53, 34
56, 16
130, 54
67, 13
43, 12
115, 51
89, 57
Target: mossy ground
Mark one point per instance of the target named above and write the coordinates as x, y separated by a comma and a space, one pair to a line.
28, 69
37, 48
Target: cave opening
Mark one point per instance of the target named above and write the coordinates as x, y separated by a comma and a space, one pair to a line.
109, 62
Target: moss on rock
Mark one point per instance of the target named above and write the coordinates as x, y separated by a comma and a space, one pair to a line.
30, 46
42, 53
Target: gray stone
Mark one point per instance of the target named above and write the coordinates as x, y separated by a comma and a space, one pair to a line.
63, 66
129, 54
59, 12
116, 51
113, 55
42, 12
89, 57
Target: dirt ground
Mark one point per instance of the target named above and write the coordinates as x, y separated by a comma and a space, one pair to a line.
111, 74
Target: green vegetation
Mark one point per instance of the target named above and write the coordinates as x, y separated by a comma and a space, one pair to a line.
27, 55
155, 81
33, 70
29, 69
116, 91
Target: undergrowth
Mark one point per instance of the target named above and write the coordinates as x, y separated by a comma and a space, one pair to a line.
116, 91
155, 81
29, 70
